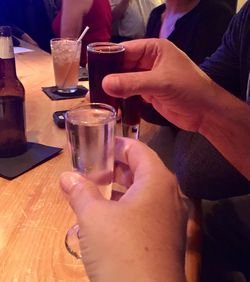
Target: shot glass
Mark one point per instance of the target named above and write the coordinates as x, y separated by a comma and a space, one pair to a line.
103, 58
66, 61
91, 131
131, 116
91, 136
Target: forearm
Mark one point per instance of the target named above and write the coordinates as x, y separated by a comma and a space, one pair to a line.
141, 261
72, 17
226, 125
133, 270
27, 38
119, 10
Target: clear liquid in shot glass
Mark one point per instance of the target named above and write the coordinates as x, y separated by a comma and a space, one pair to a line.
91, 144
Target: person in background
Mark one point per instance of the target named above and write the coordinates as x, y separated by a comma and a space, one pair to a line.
7, 18
129, 18
194, 26
52, 8
143, 234
72, 19
24, 36
17, 33
31, 17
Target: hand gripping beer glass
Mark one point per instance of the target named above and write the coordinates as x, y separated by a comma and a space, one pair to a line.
91, 137
105, 58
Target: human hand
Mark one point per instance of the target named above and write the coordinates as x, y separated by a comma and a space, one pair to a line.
168, 79
72, 17
141, 237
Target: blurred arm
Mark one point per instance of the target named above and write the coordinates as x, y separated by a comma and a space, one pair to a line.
27, 38
72, 16
226, 125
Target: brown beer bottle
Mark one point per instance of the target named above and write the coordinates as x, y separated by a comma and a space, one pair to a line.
12, 112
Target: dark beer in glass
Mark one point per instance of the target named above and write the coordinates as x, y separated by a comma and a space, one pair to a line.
103, 58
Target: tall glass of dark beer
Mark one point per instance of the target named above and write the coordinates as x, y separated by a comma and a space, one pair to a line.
103, 58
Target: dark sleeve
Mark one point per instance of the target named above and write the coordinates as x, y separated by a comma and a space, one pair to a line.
210, 27
203, 172
223, 65
154, 22
149, 114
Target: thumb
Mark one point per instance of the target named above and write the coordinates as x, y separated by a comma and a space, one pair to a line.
130, 84
79, 191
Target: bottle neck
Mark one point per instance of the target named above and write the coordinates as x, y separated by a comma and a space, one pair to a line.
7, 59
7, 68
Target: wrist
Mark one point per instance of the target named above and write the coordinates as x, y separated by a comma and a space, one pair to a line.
212, 110
143, 269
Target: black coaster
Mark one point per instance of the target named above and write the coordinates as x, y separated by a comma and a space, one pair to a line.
52, 93
35, 155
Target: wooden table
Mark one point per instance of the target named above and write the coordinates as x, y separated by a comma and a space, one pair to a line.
34, 215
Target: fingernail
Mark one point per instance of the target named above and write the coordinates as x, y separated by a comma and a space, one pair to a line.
68, 181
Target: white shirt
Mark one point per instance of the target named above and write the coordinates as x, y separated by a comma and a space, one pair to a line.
131, 24
147, 6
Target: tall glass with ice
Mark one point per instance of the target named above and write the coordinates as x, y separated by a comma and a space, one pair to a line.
66, 60
91, 136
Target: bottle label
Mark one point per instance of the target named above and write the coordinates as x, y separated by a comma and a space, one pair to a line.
6, 48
